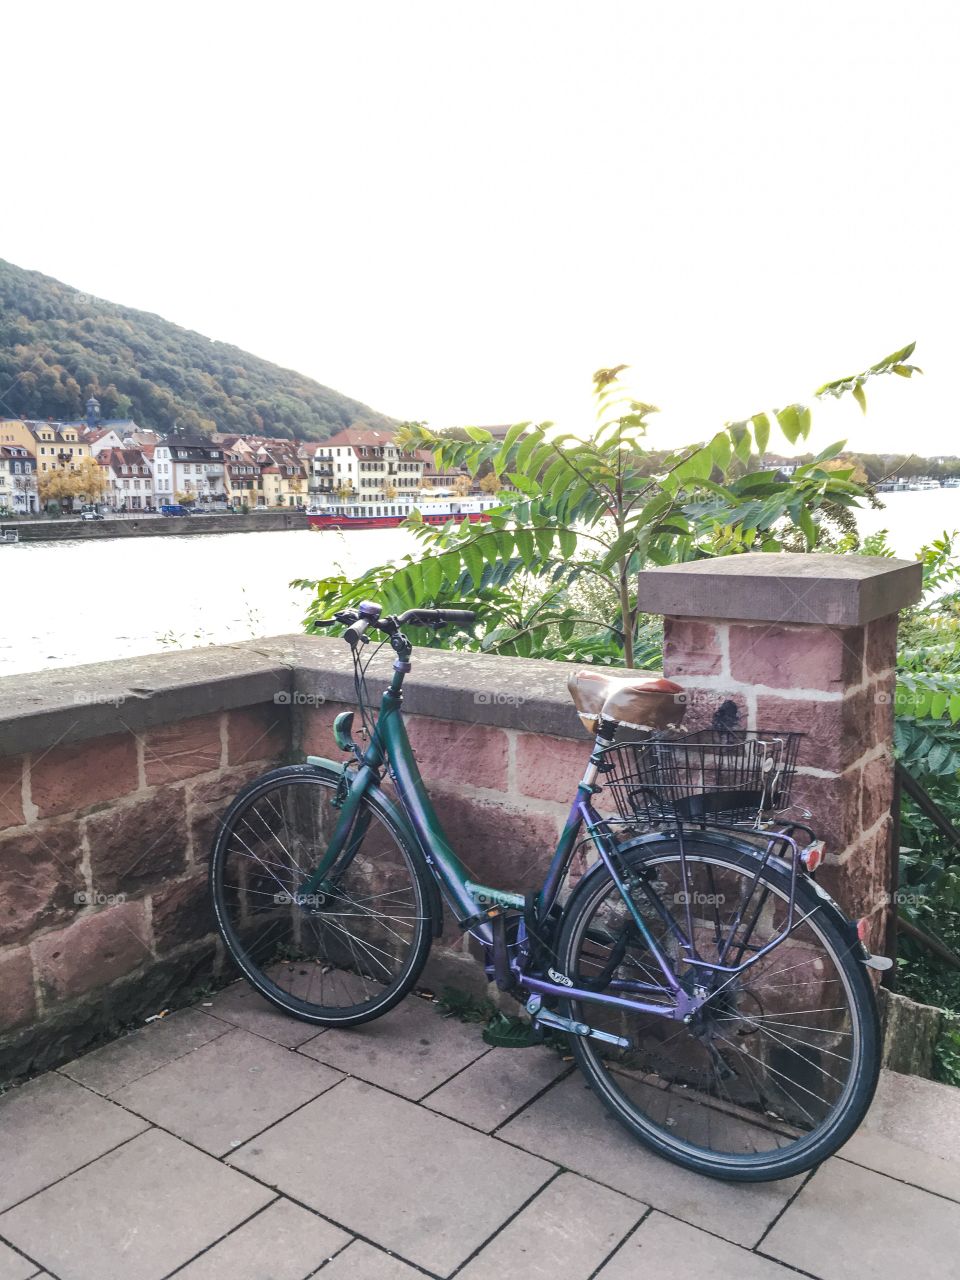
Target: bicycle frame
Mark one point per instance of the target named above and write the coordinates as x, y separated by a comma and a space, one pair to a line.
477, 907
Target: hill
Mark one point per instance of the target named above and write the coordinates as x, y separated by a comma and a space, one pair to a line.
59, 346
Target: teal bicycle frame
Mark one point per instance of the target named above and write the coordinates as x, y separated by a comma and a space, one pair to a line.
476, 907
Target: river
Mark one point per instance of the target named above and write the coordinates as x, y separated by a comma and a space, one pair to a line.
66, 603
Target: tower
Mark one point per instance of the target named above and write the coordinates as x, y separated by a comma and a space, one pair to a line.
93, 412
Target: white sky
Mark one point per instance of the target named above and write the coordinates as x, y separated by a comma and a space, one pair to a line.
456, 212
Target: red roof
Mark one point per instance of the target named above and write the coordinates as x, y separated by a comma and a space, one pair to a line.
359, 437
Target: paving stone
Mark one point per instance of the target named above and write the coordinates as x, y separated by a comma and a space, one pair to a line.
571, 1127
566, 1231
243, 1007
911, 1132
14, 1266
137, 1213
496, 1085
919, 1113
872, 1150
849, 1221
135, 1055
227, 1090
672, 1250
285, 1242
362, 1262
410, 1050
414, 1182
51, 1127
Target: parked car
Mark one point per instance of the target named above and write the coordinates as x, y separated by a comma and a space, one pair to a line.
174, 509
90, 514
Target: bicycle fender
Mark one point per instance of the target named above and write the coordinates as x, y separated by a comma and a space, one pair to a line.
402, 823
843, 922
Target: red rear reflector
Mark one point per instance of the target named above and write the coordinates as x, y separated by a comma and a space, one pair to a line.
813, 855
863, 928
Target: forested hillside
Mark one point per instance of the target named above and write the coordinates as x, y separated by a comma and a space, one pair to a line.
59, 346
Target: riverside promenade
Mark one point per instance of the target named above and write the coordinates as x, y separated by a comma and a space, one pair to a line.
229, 1142
143, 525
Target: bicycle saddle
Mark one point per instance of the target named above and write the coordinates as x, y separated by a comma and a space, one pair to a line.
638, 701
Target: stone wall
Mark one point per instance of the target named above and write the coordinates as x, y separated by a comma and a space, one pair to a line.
133, 526
112, 778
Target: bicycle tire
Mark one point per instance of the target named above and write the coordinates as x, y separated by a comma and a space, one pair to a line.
800, 1155
381, 995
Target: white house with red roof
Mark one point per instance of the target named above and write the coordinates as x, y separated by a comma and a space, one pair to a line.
129, 479
363, 463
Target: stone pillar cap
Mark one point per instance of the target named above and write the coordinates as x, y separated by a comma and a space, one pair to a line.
824, 590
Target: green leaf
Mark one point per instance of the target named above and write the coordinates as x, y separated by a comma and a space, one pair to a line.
474, 562
789, 420
720, 450
938, 705
568, 542
527, 446
808, 527
954, 708
860, 397
543, 535
740, 433
524, 541
761, 431
432, 577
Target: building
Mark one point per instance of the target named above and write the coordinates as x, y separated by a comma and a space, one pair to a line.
129, 479
189, 466
101, 439
364, 464
18, 480
241, 475
283, 475
55, 445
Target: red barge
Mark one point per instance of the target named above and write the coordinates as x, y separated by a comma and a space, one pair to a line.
389, 514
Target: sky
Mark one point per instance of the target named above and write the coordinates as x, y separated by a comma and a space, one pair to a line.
456, 212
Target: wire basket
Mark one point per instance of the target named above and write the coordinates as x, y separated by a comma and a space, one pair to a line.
731, 776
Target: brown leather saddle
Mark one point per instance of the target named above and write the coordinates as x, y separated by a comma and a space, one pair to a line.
638, 701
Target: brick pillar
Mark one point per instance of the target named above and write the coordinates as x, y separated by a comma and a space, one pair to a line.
804, 643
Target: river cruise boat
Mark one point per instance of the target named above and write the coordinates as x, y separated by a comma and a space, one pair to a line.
388, 514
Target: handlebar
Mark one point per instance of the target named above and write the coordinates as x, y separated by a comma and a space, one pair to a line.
368, 616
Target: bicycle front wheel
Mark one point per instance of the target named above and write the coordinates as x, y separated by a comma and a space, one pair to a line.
352, 947
778, 1068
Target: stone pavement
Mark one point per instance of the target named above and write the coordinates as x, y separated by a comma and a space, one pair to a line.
228, 1142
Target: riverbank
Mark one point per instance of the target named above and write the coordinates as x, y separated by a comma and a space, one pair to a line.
152, 526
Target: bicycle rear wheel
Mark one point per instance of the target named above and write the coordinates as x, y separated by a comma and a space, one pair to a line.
352, 948
778, 1068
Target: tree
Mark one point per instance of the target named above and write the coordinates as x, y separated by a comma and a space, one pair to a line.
91, 480
462, 486
490, 483
185, 498
389, 491
344, 490
555, 570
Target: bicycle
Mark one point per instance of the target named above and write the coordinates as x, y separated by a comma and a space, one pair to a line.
716, 998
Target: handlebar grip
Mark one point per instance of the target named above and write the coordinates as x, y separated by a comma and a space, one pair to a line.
354, 633
459, 615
